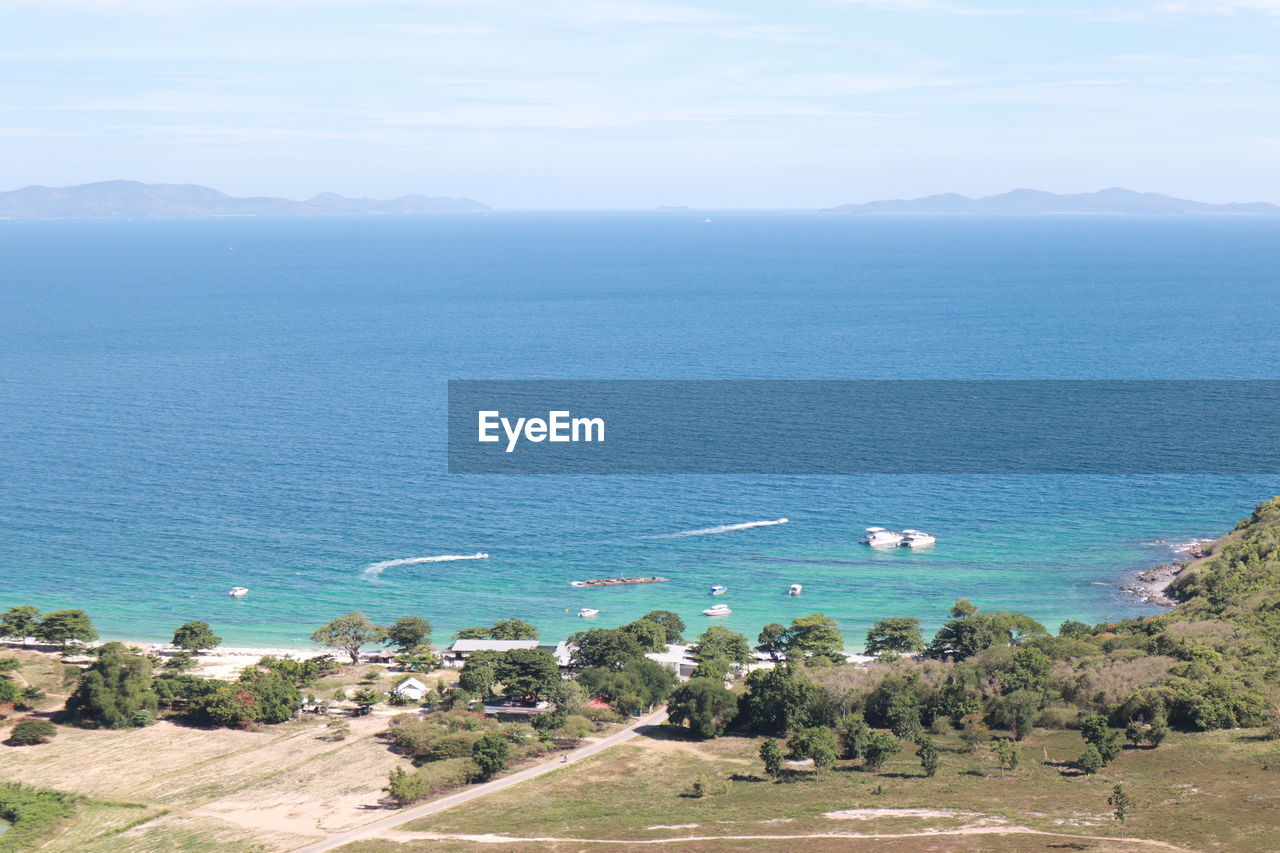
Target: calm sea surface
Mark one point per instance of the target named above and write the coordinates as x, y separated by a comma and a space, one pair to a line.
187, 406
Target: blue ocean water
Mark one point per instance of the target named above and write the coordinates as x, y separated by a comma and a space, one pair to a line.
189, 405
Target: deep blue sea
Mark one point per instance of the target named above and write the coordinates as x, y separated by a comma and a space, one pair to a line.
190, 405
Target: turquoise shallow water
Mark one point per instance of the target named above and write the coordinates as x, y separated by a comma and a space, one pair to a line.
192, 405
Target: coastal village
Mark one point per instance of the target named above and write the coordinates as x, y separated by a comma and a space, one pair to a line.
496, 737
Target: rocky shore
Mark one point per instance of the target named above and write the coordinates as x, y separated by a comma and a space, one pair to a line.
1151, 585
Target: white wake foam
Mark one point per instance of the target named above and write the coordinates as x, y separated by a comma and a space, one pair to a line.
728, 528
377, 568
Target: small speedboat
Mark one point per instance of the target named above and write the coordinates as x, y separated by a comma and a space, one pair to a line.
917, 539
878, 537
238, 591
587, 613
795, 589
718, 590
717, 610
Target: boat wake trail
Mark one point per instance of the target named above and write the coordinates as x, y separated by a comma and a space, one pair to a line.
728, 528
377, 568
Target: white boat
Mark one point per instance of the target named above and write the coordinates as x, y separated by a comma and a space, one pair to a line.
917, 539
717, 610
718, 590
239, 591
878, 537
587, 613
795, 589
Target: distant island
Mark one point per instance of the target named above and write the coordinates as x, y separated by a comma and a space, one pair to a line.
133, 199
1113, 200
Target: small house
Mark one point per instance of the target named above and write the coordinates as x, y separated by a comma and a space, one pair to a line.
411, 688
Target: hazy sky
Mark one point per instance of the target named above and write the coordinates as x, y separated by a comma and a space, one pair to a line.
604, 103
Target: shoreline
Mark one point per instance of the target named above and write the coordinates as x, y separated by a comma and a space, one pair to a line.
1151, 585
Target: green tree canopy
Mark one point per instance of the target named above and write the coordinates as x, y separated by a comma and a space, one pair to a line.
64, 627
408, 633
704, 705
491, 753
529, 674
348, 633
513, 629
115, 692
899, 635
814, 742
195, 637
772, 641
718, 642
605, 647
19, 622
670, 622
814, 636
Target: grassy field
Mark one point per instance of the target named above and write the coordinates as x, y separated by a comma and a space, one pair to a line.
1214, 791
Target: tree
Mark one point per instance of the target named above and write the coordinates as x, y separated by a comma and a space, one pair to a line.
718, 642
651, 636
1016, 712
771, 755
480, 672
1074, 629
772, 641
1006, 753
406, 788
1090, 761
704, 705
513, 629
475, 632
777, 701
973, 732
348, 633
529, 674
1030, 671
670, 622
1119, 801
366, 698
1097, 733
928, 755
195, 636
19, 622
717, 668
817, 743
604, 647
879, 748
815, 636
900, 635
963, 607
408, 633
114, 690
257, 697
32, 732
491, 753
64, 627
8, 691
852, 733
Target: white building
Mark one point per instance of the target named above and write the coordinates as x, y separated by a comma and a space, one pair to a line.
677, 659
411, 688
456, 655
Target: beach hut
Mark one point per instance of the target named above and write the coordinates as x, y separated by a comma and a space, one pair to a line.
411, 688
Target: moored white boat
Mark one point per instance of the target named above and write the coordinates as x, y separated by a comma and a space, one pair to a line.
917, 539
238, 591
718, 590
717, 610
587, 612
795, 589
878, 537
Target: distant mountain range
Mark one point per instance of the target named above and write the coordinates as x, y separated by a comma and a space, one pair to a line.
1114, 200
132, 199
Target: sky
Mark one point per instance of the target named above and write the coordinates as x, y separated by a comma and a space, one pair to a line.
615, 104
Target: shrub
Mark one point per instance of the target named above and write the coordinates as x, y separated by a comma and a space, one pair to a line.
31, 732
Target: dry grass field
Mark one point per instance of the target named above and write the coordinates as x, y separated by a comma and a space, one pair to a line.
1218, 791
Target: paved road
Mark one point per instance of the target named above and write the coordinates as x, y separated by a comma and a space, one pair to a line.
475, 792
